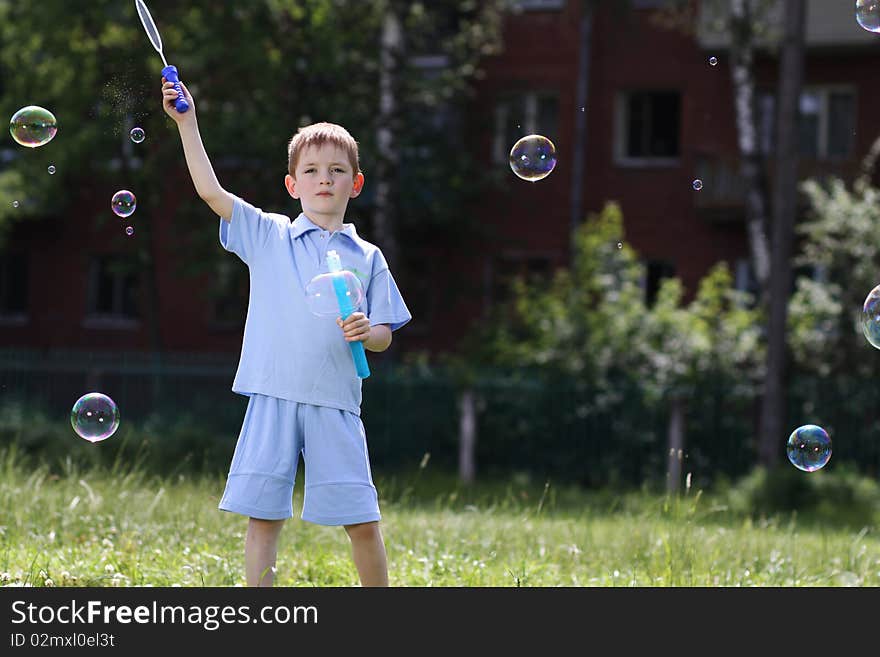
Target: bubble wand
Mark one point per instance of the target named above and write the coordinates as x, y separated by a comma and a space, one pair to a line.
334, 264
169, 72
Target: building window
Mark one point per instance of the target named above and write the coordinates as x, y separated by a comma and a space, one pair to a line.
13, 288
112, 294
826, 122
530, 113
655, 272
647, 128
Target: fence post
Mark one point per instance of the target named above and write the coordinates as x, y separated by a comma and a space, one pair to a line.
675, 438
467, 436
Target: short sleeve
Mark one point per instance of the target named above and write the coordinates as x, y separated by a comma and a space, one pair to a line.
248, 230
386, 304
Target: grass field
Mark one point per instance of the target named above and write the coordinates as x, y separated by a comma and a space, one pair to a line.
117, 527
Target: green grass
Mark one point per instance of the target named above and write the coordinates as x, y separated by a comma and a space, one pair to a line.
118, 527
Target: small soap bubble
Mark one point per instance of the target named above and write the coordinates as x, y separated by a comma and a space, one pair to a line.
123, 203
94, 417
137, 135
713, 61
809, 448
51, 169
620, 245
129, 230
33, 126
871, 317
15, 204
698, 184
868, 14
533, 157
322, 292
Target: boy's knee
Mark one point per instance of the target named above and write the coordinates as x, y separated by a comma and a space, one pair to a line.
265, 526
362, 530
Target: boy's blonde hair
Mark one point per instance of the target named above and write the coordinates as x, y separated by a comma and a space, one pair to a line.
318, 134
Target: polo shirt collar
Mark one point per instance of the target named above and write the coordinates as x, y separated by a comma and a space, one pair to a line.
302, 225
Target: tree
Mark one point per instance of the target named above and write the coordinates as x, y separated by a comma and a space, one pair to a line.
98, 73
751, 27
590, 327
773, 409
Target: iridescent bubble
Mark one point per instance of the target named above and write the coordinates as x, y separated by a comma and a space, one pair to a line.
713, 61
698, 184
129, 230
94, 417
15, 204
137, 135
868, 14
321, 292
33, 126
123, 203
871, 317
51, 169
809, 447
533, 157
620, 245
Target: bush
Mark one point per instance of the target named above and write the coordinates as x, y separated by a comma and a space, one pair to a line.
839, 497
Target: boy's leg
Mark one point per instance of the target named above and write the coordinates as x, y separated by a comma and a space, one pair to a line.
261, 550
368, 551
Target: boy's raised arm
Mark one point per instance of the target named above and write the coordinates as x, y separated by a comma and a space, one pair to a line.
200, 169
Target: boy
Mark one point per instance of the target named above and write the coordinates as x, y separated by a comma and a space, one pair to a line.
296, 368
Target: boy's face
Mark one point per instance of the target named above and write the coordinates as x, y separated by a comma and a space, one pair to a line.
324, 182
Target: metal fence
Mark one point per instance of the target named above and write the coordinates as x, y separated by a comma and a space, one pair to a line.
553, 428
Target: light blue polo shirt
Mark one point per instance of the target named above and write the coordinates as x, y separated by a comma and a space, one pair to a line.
287, 351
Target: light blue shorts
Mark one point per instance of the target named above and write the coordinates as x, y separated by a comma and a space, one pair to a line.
339, 486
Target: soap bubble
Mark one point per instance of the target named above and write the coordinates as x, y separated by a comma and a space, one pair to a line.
123, 203
129, 230
533, 157
713, 61
15, 204
321, 292
809, 448
94, 417
871, 317
33, 126
868, 14
51, 169
698, 184
137, 135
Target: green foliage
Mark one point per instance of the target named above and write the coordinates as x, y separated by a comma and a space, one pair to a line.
164, 442
591, 323
257, 70
839, 238
840, 496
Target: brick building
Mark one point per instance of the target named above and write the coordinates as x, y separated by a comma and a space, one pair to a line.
655, 116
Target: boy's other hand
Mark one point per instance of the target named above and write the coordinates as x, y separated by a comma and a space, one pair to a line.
169, 95
355, 327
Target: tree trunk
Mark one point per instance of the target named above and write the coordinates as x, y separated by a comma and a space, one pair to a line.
773, 409
386, 169
467, 438
742, 55
579, 147
675, 437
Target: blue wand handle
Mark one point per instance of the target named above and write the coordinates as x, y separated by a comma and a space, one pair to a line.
170, 74
345, 309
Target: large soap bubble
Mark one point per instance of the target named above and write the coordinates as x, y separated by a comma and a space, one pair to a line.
33, 126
